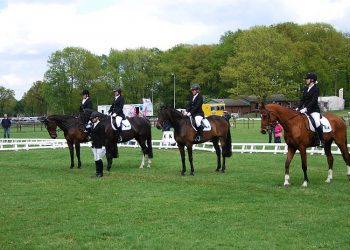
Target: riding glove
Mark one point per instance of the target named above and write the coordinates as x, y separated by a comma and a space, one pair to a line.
114, 115
303, 110
188, 114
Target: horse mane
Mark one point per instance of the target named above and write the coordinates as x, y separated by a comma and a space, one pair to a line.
63, 121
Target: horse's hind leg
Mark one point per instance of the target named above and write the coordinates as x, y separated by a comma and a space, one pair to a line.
304, 165
77, 151
71, 153
330, 161
182, 153
190, 158
218, 156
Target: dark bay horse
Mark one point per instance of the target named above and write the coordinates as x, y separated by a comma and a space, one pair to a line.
184, 135
73, 133
298, 136
71, 127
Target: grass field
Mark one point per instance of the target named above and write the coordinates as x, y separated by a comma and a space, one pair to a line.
45, 205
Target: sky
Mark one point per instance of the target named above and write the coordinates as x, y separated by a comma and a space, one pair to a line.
31, 30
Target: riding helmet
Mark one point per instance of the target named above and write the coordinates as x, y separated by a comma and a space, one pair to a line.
94, 114
195, 86
311, 76
117, 89
85, 92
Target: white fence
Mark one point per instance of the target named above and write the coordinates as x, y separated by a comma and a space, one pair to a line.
275, 148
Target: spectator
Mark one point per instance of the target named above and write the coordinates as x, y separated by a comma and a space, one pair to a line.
6, 124
278, 133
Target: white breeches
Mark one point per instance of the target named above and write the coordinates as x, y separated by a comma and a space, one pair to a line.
99, 153
198, 120
118, 120
317, 118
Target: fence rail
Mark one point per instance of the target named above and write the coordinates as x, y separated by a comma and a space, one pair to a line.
274, 148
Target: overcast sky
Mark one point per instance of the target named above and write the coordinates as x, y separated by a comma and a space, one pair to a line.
31, 30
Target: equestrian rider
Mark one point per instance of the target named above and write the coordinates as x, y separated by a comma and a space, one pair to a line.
309, 103
116, 110
194, 109
98, 138
86, 103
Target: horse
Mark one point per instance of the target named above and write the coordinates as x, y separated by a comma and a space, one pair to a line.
298, 136
71, 127
185, 133
74, 134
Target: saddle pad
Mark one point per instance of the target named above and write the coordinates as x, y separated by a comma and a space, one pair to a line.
205, 123
125, 124
324, 123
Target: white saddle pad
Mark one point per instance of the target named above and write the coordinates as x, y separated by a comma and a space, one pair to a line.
125, 124
324, 123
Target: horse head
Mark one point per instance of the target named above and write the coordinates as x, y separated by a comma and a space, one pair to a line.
50, 125
168, 114
268, 119
162, 117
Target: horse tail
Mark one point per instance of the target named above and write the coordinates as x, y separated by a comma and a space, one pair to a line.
227, 149
149, 145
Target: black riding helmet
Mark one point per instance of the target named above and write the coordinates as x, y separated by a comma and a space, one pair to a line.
195, 86
117, 89
311, 76
94, 114
85, 92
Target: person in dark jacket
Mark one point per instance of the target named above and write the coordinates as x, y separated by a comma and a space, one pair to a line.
98, 142
6, 124
116, 110
309, 103
86, 103
194, 109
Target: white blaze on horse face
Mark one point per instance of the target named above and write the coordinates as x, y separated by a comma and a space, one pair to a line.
330, 176
286, 180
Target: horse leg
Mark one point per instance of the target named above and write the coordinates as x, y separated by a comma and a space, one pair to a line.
182, 153
190, 158
77, 151
71, 153
142, 161
327, 150
290, 155
346, 156
109, 156
304, 165
149, 162
218, 155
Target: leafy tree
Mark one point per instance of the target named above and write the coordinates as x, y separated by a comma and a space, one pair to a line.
7, 101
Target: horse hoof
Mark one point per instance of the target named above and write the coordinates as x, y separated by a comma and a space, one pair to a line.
286, 185
182, 173
328, 180
223, 171
304, 184
192, 173
217, 170
71, 167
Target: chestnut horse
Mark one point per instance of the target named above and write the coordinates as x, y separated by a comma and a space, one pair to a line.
184, 135
298, 136
74, 135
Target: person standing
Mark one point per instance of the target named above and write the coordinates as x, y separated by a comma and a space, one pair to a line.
6, 124
116, 110
309, 103
278, 132
98, 142
194, 109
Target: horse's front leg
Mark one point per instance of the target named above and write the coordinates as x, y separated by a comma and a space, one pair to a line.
190, 158
290, 155
109, 156
77, 151
218, 155
142, 161
71, 153
304, 165
182, 154
330, 161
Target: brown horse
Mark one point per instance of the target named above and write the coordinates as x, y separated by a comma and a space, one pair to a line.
73, 133
298, 136
185, 134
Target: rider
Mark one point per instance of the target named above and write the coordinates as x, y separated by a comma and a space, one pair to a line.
309, 103
86, 103
98, 143
195, 109
116, 110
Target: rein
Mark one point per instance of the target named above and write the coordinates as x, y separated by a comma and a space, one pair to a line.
282, 122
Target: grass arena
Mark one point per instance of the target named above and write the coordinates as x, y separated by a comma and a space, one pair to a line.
46, 205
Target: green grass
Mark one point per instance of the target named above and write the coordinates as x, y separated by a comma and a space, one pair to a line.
45, 205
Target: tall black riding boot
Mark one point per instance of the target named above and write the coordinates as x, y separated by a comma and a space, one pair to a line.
199, 134
320, 135
120, 138
97, 168
100, 168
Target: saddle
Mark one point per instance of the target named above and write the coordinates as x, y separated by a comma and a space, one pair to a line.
125, 124
205, 123
326, 126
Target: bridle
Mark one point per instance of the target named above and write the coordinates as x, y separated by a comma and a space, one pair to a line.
283, 122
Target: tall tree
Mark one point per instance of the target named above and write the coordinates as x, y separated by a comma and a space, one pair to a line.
7, 101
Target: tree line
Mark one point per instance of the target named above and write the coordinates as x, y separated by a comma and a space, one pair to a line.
260, 61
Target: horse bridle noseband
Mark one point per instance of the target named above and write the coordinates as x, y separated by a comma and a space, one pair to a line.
282, 122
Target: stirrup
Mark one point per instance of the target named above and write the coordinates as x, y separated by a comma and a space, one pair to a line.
197, 138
